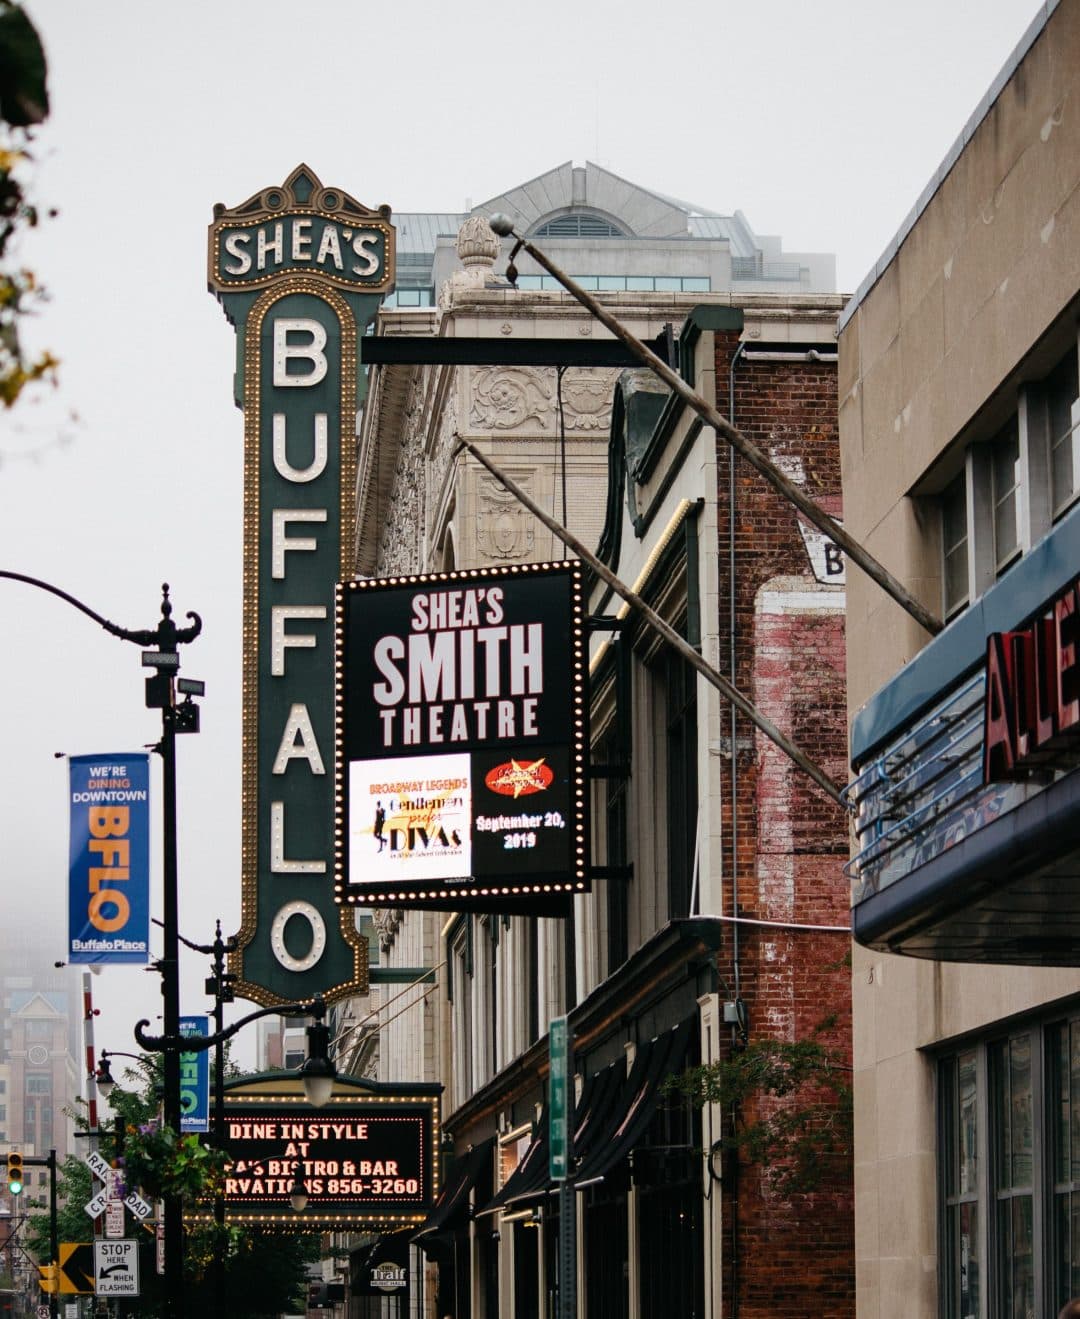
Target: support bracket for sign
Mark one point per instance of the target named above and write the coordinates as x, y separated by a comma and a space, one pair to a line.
659, 625
612, 872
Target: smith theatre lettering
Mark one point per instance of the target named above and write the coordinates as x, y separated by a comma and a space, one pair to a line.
462, 674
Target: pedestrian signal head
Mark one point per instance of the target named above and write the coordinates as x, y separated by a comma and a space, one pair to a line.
15, 1173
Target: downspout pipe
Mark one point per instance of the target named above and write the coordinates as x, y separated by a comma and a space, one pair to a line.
734, 717
738, 353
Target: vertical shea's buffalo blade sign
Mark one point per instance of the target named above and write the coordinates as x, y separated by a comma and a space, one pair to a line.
462, 727
109, 858
300, 270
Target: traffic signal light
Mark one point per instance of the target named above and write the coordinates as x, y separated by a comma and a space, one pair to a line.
49, 1280
15, 1173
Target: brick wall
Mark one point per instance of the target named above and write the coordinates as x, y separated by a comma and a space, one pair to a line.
785, 1255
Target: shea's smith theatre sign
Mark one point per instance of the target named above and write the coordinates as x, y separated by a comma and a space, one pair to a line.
461, 726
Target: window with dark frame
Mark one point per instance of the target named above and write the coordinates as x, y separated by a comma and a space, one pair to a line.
680, 695
954, 544
1012, 487
1061, 389
959, 1173
1005, 494
1012, 1121
1009, 1173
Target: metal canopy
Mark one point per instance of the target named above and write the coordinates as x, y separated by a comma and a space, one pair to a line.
1007, 893
410, 350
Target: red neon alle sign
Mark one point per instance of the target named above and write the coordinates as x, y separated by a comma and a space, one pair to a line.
1032, 704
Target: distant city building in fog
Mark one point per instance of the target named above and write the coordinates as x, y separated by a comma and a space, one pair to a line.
40, 1013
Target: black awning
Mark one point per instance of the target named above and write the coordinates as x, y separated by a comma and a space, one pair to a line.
529, 1180
599, 1098
390, 1248
451, 1209
632, 1106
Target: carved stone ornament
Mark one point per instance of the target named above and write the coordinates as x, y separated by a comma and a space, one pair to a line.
504, 529
387, 920
506, 397
587, 398
477, 248
477, 243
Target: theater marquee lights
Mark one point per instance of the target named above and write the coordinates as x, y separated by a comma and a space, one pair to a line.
365, 1161
461, 737
300, 270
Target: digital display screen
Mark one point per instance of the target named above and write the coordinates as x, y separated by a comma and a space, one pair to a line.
358, 1161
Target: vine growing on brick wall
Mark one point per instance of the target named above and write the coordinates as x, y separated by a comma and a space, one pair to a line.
791, 1103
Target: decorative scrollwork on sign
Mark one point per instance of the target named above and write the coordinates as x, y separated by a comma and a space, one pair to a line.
504, 397
504, 529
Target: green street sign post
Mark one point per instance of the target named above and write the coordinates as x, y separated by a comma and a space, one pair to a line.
560, 1155
558, 1100
300, 271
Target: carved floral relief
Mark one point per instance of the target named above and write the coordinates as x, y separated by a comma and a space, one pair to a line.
507, 397
504, 529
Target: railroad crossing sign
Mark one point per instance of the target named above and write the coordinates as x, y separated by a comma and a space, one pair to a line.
138, 1206
76, 1260
116, 1268
97, 1164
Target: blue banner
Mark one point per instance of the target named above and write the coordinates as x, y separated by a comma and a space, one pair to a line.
194, 1079
109, 859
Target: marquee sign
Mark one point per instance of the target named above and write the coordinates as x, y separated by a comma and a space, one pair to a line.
461, 736
299, 270
1032, 704
366, 1160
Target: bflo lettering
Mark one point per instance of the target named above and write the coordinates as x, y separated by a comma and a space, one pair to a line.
109, 827
189, 1083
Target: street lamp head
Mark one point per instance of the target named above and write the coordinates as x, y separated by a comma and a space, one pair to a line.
318, 1072
318, 1077
298, 1195
103, 1077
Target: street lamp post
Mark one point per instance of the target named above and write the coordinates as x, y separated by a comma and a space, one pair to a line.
317, 1074
161, 693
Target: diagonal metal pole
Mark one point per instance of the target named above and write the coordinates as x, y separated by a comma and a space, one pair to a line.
746, 447
702, 665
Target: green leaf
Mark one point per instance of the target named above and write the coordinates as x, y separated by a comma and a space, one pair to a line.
24, 97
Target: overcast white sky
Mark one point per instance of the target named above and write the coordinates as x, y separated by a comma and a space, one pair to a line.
820, 122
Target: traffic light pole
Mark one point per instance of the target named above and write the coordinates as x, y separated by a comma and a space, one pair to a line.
54, 1236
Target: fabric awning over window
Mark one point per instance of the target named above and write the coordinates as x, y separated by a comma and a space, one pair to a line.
610, 1117
390, 1247
529, 1180
631, 1109
451, 1210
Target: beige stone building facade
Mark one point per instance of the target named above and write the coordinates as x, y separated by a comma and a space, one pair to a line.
961, 469
647, 973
